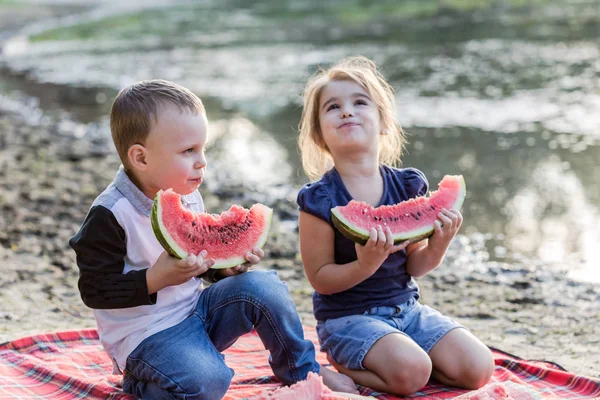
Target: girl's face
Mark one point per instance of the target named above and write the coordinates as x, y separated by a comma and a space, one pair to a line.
349, 118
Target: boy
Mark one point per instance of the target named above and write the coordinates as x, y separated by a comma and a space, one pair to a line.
160, 330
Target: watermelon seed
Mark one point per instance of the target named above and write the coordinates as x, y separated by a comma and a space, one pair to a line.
432, 207
193, 223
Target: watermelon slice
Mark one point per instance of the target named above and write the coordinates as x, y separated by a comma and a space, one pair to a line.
408, 220
312, 388
226, 237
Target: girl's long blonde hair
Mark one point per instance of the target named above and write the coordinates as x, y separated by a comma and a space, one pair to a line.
316, 158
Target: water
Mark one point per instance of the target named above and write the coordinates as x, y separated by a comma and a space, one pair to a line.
507, 95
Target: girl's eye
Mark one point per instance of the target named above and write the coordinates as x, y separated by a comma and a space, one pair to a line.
332, 106
361, 102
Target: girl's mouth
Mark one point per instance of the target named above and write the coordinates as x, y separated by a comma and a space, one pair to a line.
348, 124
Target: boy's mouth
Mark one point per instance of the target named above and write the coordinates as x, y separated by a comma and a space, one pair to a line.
197, 180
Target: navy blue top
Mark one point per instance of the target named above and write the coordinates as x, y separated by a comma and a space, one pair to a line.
391, 284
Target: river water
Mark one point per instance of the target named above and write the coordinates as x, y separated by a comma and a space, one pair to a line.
507, 95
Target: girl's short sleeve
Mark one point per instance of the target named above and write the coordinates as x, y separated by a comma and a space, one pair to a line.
314, 199
415, 182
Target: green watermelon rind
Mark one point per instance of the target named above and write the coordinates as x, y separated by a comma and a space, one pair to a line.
361, 236
362, 239
176, 251
161, 232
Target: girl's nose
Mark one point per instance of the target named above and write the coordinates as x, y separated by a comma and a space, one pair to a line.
347, 113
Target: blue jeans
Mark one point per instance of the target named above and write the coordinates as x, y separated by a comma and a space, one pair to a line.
185, 361
349, 339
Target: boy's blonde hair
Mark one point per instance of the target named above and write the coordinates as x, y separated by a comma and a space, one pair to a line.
136, 107
316, 158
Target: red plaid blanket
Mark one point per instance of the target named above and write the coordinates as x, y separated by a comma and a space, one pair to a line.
69, 365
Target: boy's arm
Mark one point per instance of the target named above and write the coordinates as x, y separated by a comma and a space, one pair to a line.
100, 246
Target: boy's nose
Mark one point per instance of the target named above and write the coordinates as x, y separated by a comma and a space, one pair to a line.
200, 163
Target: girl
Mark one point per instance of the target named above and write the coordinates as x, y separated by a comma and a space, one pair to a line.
369, 320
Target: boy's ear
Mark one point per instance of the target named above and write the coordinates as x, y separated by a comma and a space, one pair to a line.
137, 157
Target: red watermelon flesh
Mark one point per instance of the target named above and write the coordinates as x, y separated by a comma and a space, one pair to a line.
408, 220
226, 237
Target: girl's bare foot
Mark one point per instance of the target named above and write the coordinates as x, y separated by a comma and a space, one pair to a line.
337, 382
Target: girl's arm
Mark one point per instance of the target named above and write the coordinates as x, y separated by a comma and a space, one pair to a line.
422, 257
317, 251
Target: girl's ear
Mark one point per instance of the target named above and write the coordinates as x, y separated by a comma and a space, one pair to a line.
384, 129
137, 157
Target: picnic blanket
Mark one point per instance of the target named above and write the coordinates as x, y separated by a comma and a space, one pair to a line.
72, 364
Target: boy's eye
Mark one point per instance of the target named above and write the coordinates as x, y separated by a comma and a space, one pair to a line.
190, 150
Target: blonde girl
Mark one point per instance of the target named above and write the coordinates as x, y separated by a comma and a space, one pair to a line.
369, 319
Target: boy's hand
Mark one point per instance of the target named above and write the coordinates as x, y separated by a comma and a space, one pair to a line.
252, 258
446, 227
379, 246
170, 271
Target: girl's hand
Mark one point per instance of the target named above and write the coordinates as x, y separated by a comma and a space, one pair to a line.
379, 246
446, 227
252, 258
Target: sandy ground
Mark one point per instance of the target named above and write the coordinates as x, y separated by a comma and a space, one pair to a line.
48, 179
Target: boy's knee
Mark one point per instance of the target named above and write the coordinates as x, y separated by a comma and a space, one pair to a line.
265, 284
263, 277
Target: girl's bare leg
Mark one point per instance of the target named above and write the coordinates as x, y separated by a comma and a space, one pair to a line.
461, 360
395, 364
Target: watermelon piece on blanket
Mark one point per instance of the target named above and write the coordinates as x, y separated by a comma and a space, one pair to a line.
312, 388
408, 220
226, 237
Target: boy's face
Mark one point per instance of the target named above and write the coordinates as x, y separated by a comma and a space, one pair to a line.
175, 152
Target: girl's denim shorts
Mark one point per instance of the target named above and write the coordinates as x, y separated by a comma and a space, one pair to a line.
348, 339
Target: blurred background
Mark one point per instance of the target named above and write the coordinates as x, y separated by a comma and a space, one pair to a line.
505, 92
